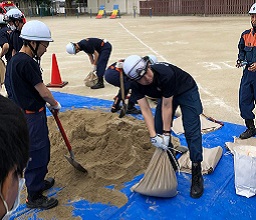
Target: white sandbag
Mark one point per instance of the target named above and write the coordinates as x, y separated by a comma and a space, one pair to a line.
91, 79
206, 125
245, 170
159, 179
211, 157
240, 142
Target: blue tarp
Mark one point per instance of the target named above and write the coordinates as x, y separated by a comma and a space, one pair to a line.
219, 200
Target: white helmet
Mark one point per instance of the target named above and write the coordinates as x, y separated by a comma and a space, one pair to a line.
135, 67
152, 58
13, 14
36, 31
253, 9
70, 48
2, 21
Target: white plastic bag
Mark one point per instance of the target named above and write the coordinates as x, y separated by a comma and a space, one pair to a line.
245, 170
159, 179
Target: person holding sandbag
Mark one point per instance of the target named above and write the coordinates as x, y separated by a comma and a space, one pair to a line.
174, 87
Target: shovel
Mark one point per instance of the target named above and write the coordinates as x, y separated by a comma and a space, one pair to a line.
70, 159
124, 106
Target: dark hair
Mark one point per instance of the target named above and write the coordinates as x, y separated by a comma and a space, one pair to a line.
14, 138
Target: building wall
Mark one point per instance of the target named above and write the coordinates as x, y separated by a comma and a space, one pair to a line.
125, 6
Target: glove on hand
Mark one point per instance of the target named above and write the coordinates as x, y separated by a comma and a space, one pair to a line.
238, 63
51, 107
94, 68
158, 141
241, 63
166, 139
119, 65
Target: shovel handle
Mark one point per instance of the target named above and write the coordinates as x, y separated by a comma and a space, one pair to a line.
122, 85
55, 115
123, 109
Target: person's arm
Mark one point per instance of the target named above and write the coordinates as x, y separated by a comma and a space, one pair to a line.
5, 49
156, 139
13, 52
96, 57
148, 117
90, 58
241, 52
167, 113
46, 94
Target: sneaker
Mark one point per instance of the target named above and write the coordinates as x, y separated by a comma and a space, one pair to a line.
48, 183
133, 110
248, 133
41, 202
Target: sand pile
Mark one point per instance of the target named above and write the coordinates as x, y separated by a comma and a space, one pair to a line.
113, 150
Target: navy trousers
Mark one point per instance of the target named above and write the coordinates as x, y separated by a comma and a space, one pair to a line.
104, 55
247, 94
191, 108
39, 152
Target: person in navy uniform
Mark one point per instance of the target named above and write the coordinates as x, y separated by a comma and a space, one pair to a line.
112, 76
98, 50
15, 19
5, 40
174, 87
247, 90
25, 87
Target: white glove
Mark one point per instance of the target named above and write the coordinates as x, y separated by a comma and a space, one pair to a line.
94, 68
158, 141
51, 107
166, 139
119, 65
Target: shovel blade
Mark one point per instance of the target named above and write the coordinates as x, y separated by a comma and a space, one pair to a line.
75, 164
123, 111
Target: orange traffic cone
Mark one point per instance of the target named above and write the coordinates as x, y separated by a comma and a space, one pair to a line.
56, 79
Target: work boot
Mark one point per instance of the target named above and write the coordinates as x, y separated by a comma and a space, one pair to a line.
41, 202
197, 186
99, 85
48, 183
250, 131
116, 105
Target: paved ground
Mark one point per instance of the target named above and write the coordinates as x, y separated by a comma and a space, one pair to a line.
206, 47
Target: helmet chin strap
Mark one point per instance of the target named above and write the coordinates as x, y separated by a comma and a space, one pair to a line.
34, 51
